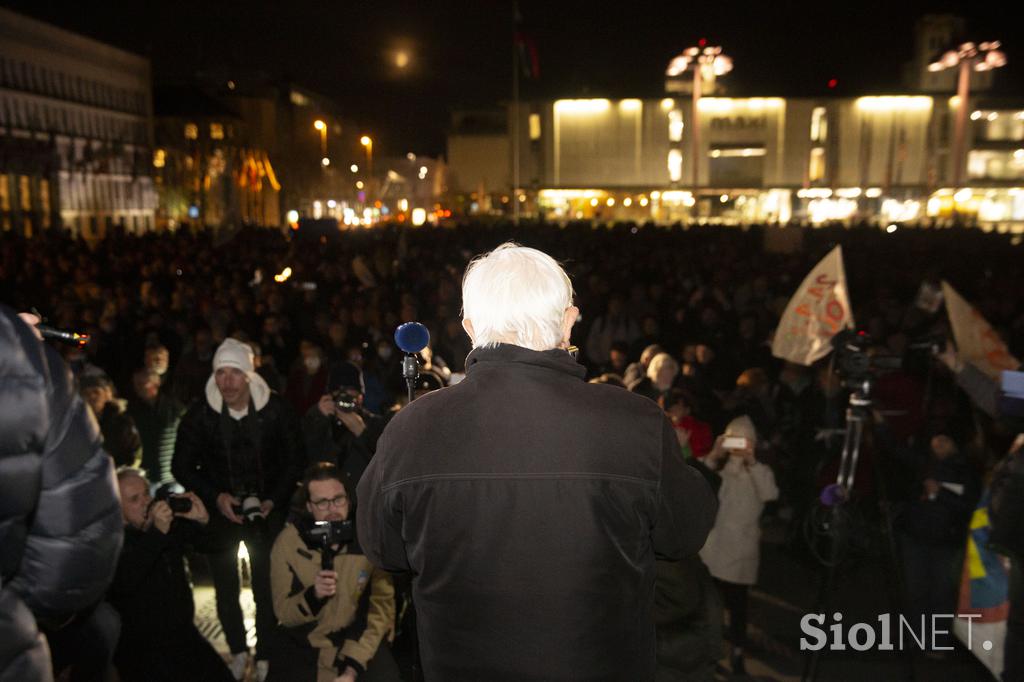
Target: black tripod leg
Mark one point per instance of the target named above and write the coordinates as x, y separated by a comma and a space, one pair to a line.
822, 605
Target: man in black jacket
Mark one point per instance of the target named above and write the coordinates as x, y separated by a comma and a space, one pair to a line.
152, 591
239, 449
60, 526
337, 429
529, 504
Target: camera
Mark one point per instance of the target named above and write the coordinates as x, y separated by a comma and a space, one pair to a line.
249, 510
853, 361
343, 400
178, 505
328, 534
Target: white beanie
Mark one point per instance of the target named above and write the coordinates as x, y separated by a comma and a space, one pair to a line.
234, 353
742, 427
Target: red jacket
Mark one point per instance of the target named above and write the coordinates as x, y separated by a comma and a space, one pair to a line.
700, 435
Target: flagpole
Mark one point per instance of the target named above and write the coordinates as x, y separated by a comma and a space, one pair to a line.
515, 117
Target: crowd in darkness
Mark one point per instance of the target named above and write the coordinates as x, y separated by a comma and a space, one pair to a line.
683, 316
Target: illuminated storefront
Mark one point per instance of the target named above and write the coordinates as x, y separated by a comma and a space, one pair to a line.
883, 159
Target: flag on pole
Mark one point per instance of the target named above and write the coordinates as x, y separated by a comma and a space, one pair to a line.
526, 49
976, 341
819, 310
984, 602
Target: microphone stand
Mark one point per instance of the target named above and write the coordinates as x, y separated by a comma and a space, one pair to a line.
411, 372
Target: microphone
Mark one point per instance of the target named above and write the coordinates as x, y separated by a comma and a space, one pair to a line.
73, 338
412, 337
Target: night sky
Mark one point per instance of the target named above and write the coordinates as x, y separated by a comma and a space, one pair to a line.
461, 52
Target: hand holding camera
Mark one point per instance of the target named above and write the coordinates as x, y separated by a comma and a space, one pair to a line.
187, 505
161, 516
342, 406
325, 584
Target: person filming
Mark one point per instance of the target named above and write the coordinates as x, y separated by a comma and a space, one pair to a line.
336, 608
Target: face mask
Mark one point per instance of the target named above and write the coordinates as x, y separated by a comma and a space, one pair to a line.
312, 364
384, 352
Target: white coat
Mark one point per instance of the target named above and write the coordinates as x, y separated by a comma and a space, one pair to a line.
733, 549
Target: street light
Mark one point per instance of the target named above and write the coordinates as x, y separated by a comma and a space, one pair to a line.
969, 57
368, 143
322, 128
707, 63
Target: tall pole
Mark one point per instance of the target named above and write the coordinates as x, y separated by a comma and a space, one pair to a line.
695, 124
515, 118
963, 90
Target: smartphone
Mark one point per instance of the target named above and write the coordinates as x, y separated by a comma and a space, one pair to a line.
735, 443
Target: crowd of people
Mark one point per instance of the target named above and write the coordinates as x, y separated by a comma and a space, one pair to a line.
251, 374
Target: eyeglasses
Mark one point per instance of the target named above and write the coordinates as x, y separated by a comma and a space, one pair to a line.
324, 505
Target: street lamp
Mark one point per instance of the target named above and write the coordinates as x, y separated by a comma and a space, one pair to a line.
707, 63
322, 128
368, 143
969, 57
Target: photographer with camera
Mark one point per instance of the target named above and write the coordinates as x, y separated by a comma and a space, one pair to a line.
152, 591
239, 450
732, 552
336, 608
338, 429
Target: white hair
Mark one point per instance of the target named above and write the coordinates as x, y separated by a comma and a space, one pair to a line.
656, 363
516, 295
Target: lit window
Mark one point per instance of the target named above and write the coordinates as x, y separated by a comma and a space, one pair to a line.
216, 131
159, 158
534, 126
191, 131
816, 167
819, 125
675, 165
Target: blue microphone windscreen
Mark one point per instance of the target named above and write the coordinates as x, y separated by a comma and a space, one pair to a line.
412, 337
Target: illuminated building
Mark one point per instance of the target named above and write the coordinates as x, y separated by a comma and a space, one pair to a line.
75, 132
210, 169
885, 158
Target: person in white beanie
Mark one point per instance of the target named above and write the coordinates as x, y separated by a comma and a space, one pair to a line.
733, 549
240, 451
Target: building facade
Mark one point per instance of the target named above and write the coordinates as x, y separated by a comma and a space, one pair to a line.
884, 158
75, 132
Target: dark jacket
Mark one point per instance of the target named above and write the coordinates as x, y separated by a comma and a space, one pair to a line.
151, 589
60, 518
157, 424
530, 505
260, 453
120, 437
327, 440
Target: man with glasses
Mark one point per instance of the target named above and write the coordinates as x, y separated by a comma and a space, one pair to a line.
336, 609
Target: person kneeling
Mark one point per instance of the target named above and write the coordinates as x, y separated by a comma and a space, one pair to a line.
335, 608
152, 592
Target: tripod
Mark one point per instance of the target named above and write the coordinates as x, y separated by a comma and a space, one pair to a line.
837, 520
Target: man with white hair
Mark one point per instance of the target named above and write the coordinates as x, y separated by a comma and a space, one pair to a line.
528, 504
239, 449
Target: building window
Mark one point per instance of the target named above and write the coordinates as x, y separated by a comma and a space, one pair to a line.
24, 193
816, 167
159, 158
216, 131
191, 131
819, 125
534, 126
999, 125
995, 164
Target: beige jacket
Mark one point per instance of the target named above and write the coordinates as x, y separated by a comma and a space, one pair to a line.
362, 589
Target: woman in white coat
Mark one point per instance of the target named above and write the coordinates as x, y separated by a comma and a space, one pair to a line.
733, 548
